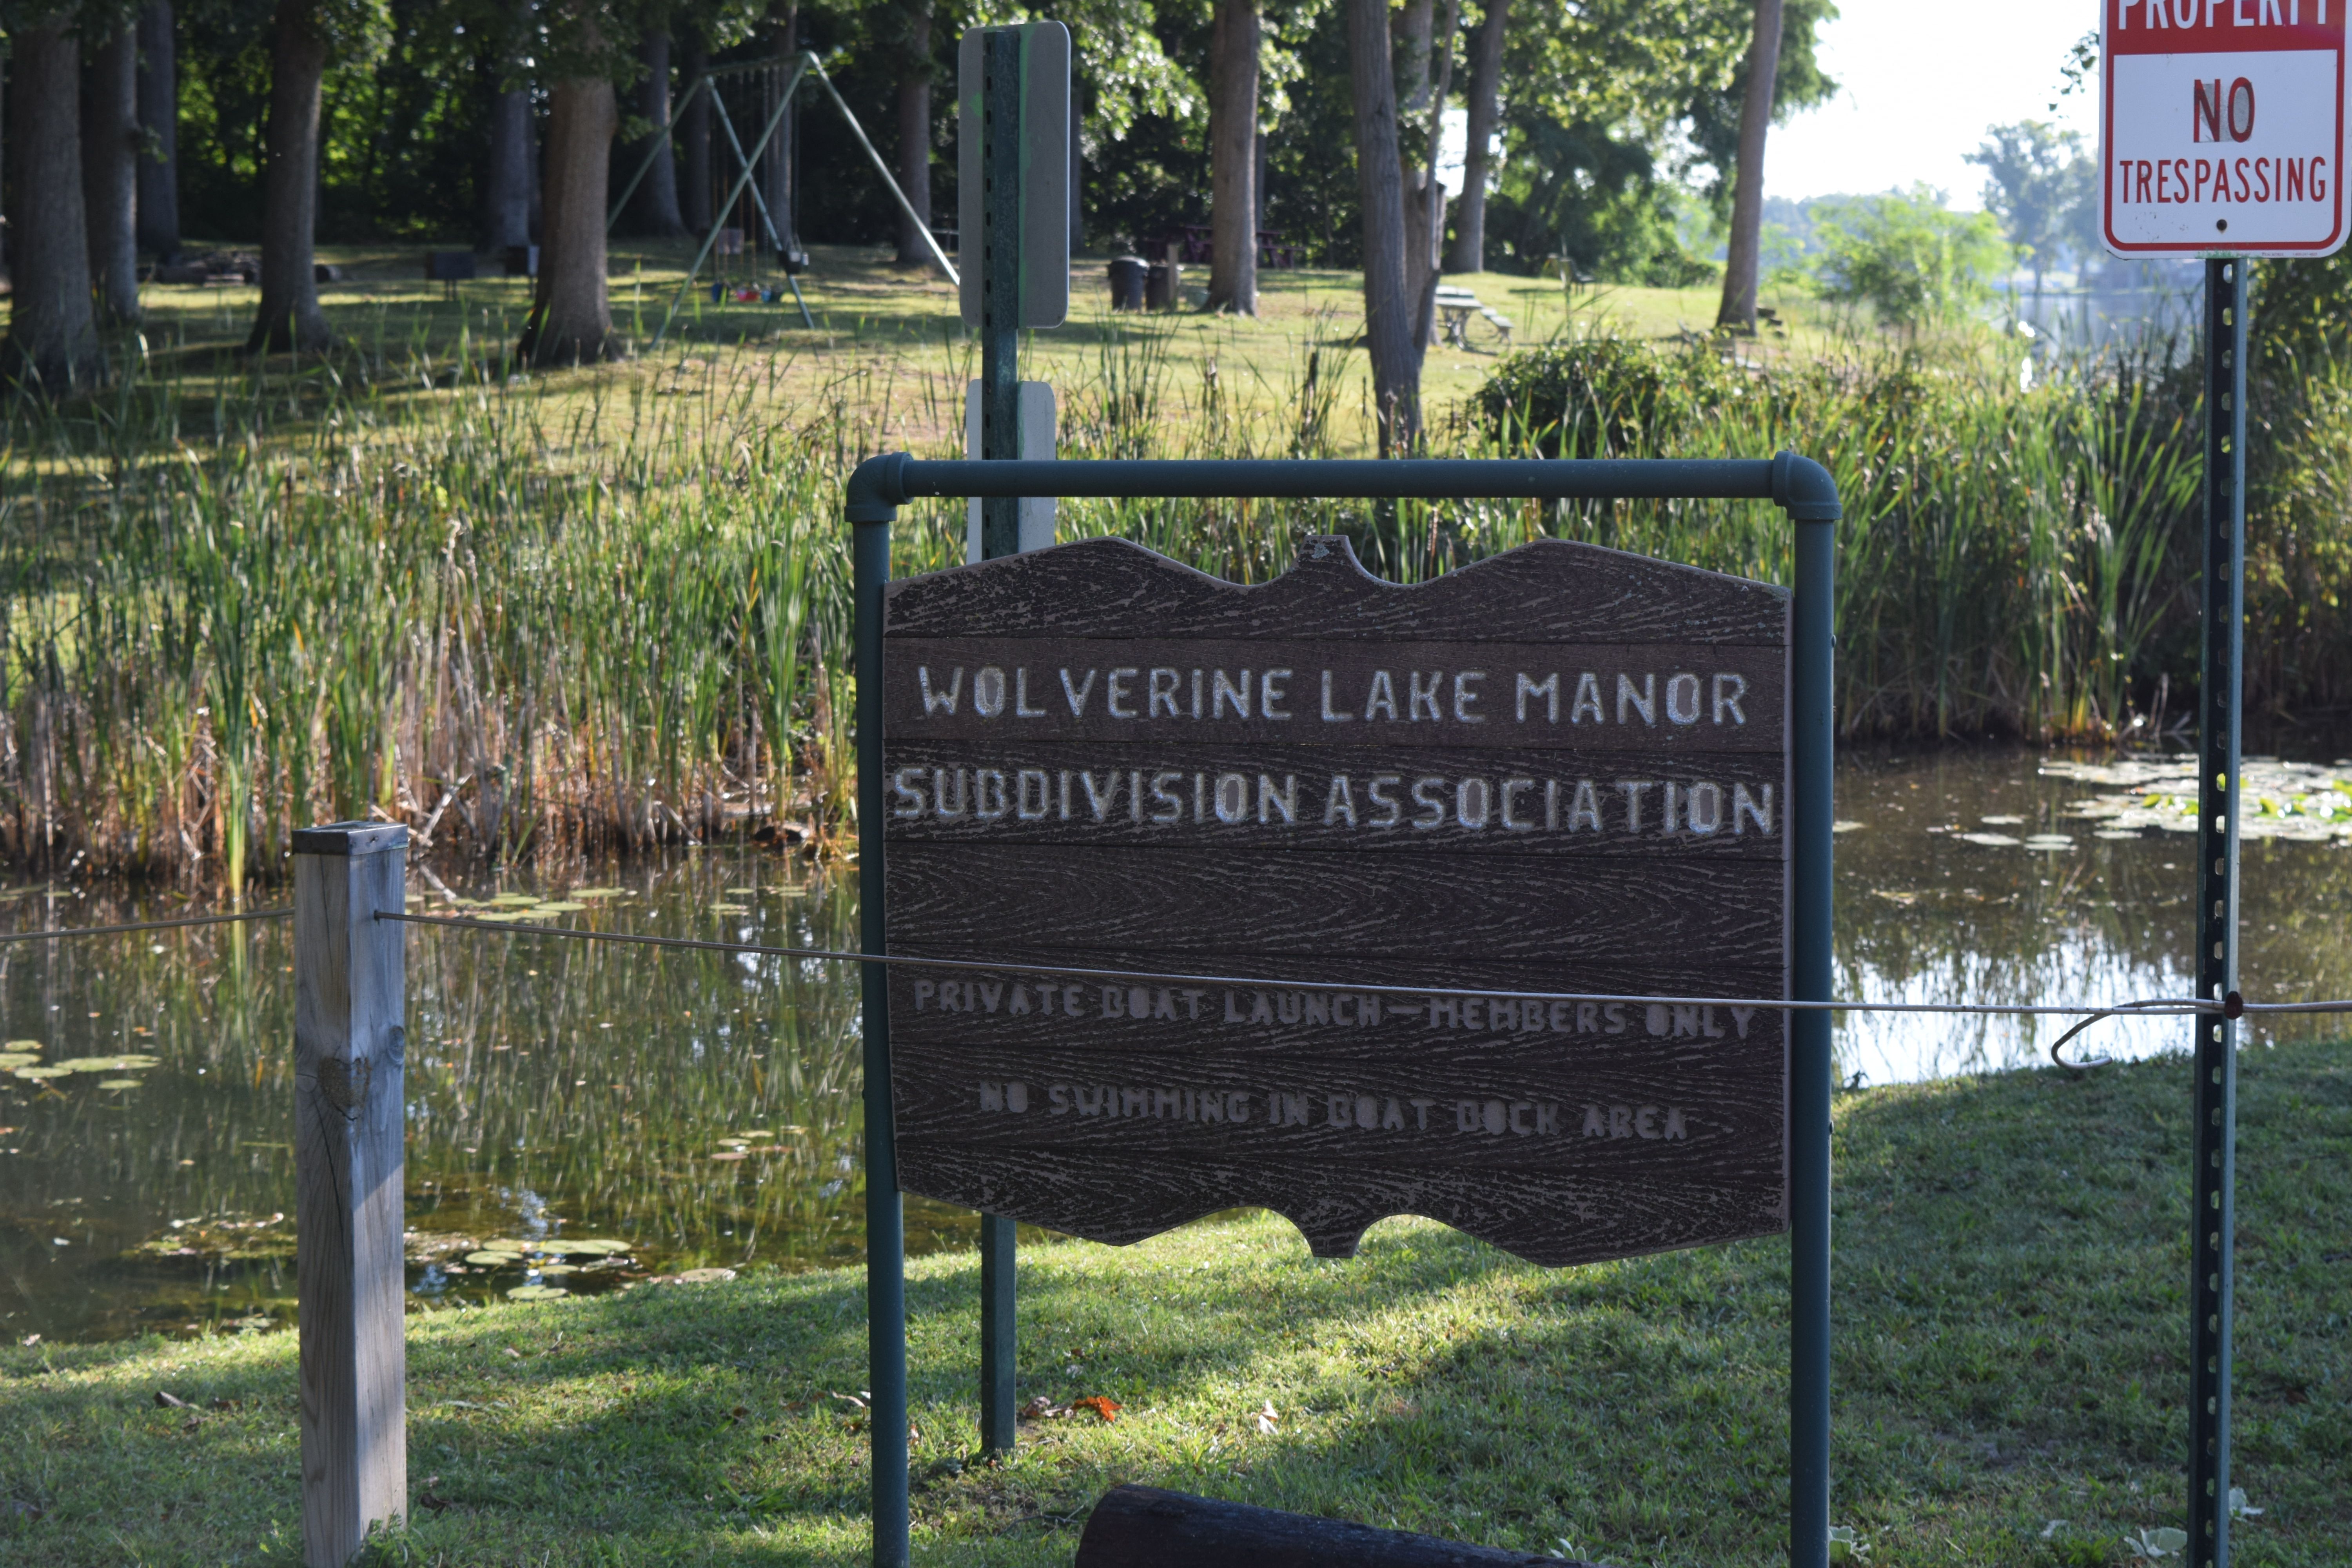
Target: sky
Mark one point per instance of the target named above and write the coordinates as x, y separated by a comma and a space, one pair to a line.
1918, 83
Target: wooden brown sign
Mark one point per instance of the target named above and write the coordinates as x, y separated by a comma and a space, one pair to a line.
1562, 770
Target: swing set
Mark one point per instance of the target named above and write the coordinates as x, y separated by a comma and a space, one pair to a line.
747, 164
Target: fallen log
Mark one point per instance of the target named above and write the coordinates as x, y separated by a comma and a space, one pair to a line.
1144, 1527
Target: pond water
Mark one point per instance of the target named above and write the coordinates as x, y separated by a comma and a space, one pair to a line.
585, 1115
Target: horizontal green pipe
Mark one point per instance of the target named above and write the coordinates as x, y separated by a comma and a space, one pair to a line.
1799, 485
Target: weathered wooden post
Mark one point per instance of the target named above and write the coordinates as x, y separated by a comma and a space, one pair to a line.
349, 1046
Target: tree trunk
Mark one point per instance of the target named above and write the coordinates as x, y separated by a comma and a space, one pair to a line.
1233, 158
159, 131
1412, 50
1388, 310
652, 206
289, 317
1423, 200
109, 173
52, 337
694, 136
915, 136
1744, 257
1424, 196
572, 319
506, 182
1485, 94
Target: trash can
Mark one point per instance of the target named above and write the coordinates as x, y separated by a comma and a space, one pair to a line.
1163, 290
1127, 275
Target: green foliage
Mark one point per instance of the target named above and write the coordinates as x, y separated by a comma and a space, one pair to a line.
2009, 562
1613, 112
1911, 259
1797, 83
2044, 188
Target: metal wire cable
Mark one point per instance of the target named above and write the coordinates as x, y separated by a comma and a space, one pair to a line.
2151, 1006
143, 925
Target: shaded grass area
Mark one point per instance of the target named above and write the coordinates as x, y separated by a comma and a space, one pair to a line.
2010, 1351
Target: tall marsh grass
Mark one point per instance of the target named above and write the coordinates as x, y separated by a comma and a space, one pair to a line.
526, 615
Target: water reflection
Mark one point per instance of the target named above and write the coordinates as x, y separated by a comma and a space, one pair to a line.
699, 1109
1925, 915
687, 1109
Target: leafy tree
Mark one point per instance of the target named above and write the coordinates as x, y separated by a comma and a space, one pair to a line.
1913, 261
1614, 108
2045, 190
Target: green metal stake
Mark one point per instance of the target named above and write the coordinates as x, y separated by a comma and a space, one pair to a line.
2212, 1221
999, 535
885, 1222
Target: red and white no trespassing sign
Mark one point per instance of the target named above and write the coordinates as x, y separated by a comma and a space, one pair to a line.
2223, 129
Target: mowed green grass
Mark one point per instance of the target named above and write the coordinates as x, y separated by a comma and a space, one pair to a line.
2010, 1351
889, 345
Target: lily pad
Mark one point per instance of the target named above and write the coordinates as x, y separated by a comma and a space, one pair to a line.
2002, 821
2115, 834
122, 1083
563, 908
2050, 841
556, 1270
596, 1249
503, 1244
39, 1074
536, 1292
730, 909
1989, 840
596, 892
507, 917
32, 1045
494, 1259
10, 1060
108, 1064
522, 899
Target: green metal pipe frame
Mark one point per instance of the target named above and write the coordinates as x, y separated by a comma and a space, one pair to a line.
1801, 486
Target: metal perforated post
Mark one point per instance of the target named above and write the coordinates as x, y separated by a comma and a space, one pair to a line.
1000, 281
999, 535
2212, 1220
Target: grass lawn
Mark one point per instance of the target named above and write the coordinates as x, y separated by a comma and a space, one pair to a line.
2009, 1353
888, 345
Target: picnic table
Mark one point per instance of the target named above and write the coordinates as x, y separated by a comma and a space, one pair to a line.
1194, 245
1455, 307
